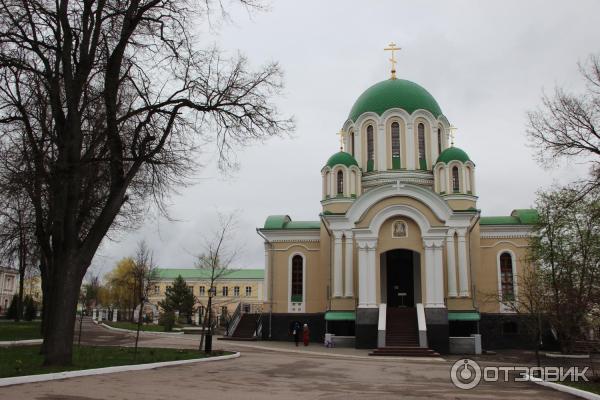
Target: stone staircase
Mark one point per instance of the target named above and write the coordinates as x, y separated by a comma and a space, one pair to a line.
402, 335
245, 328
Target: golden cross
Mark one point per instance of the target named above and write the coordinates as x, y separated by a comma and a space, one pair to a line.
452, 133
341, 133
392, 47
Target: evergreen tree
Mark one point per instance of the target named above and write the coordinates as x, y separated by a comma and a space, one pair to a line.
179, 297
30, 308
13, 309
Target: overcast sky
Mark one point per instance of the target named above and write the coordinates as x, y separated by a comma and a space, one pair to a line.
485, 63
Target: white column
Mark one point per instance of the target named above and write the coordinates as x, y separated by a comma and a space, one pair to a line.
337, 264
410, 146
434, 274
463, 278
349, 272
447, 182
434, 144
115, 313
381, 148
362, 274
267, 276
463, 173
450, 256
332, 185
371, 280
99, 315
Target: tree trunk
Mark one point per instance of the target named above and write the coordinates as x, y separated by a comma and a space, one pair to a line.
61, 316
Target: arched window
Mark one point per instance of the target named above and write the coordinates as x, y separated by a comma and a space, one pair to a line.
506, 277
370, 148
421, 138
352, 143
395, 145
455, 182
297, 279
340, 183
439, 140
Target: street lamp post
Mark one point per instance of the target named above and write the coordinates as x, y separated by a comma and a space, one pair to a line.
208, 344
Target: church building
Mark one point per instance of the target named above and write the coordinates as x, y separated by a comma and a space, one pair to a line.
400, 255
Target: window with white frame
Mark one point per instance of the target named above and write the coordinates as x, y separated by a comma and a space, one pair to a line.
225, 291
507, 282
248, 291
201, 291
236, 291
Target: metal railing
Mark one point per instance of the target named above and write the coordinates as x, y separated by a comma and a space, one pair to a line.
258, 330
235, 320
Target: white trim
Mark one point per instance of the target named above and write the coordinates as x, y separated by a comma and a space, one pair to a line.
296, 235
18, 380
507, 242
296, 307
505, 232
503, 307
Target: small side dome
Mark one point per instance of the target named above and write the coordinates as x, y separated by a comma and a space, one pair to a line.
341, 158
453, 154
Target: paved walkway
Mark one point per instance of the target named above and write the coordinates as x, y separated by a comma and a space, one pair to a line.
264, 374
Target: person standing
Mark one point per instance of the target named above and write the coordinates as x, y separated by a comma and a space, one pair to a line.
305, 335
296, 332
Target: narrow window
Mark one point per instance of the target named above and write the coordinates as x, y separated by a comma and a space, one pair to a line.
421, 138
236, 291
395, 145
248, 291
201, 291
439, 141
297, 284
455, 182
340, 183
225, 291
352, 143
370, 148
506, 277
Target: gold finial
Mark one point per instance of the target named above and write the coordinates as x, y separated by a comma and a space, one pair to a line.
392, 47
452, 133
341, 133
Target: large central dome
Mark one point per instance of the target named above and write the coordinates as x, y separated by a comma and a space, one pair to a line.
394, 93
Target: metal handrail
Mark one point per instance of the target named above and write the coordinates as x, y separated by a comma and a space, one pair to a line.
235, 320
258, 330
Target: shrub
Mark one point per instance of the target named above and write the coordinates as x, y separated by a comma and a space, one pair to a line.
30, 308
167, 320
12, 311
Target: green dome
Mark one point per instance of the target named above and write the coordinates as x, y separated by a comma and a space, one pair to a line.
341, 158
394, 93
453, 154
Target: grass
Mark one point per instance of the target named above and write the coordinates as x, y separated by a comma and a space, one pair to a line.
133, 326
593, 387
26, 360
10, 330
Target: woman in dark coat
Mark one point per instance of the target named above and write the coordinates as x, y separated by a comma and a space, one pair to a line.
296, 332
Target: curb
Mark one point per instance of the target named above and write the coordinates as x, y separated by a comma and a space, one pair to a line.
112, 328
564, 388
9, 343
19, 380
323, 354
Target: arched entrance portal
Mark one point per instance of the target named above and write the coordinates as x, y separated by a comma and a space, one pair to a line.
400, 278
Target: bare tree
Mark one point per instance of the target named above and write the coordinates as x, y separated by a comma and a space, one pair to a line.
144, 275
567, 125
218, 254
17, 238
102, 105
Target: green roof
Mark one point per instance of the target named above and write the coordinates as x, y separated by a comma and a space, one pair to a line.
340, 316
341, 158
285, 222
463, 316
453, 154
196, 273
394, 93
525, 216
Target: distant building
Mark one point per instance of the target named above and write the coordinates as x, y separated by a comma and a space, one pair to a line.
243, 286
8, 287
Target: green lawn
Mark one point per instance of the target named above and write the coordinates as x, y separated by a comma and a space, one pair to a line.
593, 387
133, 326
10, 330
26, 360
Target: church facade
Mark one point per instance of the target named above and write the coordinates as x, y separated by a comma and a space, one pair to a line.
400, 236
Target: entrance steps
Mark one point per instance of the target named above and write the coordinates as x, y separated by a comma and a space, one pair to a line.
402, 335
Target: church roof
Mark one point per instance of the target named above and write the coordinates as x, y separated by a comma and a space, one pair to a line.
394, 93
341, 158
285, 222
453, 154
196, 273
524, 216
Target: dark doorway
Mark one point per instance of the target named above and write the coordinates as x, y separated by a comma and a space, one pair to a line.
400, 278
